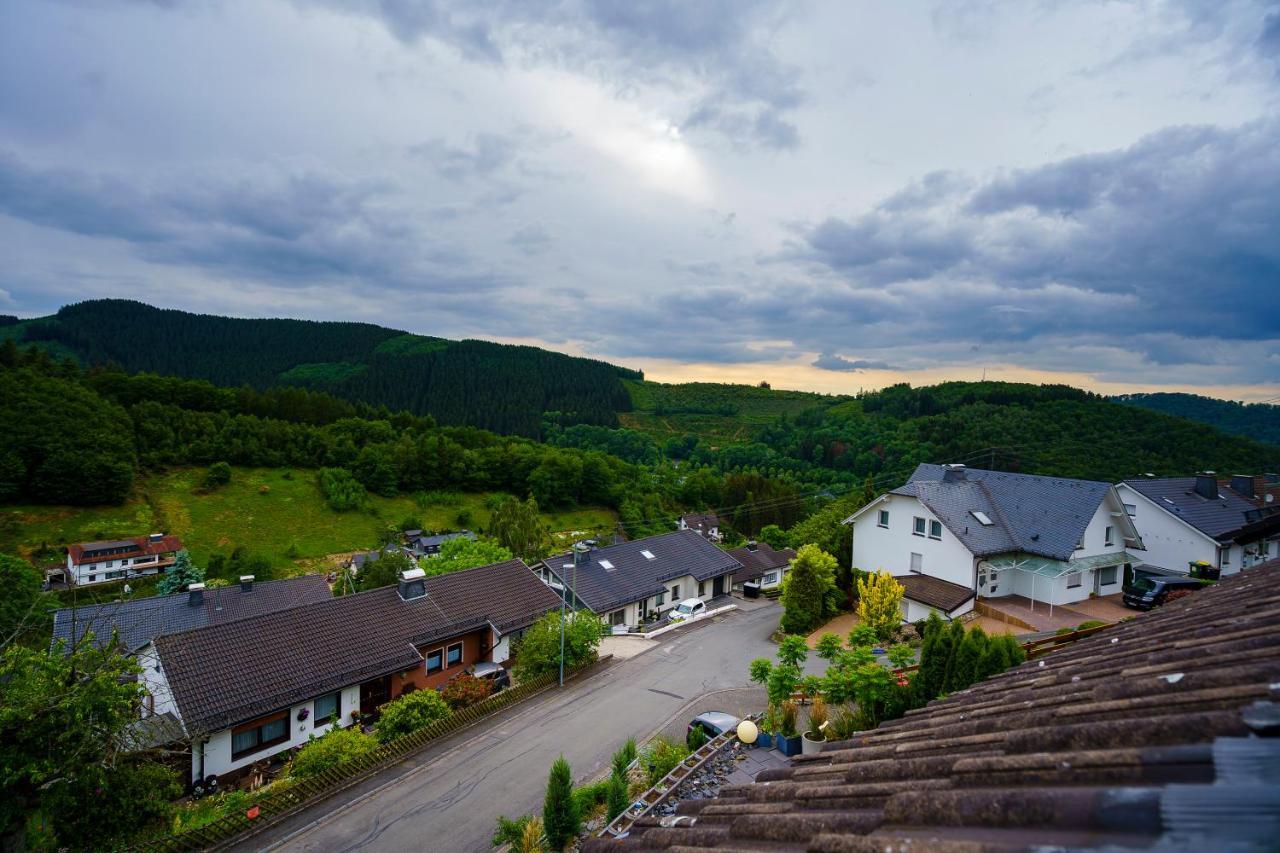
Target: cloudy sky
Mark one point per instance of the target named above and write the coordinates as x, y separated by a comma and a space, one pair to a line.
828, 195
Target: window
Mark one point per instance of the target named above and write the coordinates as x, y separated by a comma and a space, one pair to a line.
702, 588
618, 617
1264, 548
1224, 559
1109, 536
982, 517
935, 529
435, 661
1107, 576
326, 709
92, 578
883, 520
675, 592
771, 578
110, 563
454, 656
606, 565
1074, 580
917, 562
1131, 509
919, 526
660, 600
260, 735
648, 555
113, 575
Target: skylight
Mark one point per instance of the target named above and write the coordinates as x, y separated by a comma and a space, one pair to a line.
648, 555
982, 517
606, 564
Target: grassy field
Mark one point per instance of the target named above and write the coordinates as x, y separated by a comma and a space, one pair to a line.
288, 522
717, 413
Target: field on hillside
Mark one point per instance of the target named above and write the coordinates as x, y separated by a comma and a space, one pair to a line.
288, 523
716, 413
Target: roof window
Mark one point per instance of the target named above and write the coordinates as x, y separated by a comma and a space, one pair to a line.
648, 555
982, 517
606, 565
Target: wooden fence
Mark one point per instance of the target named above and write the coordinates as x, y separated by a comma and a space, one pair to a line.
273, 805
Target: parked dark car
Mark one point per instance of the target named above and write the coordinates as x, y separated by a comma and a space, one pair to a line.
1147, 591
713, 723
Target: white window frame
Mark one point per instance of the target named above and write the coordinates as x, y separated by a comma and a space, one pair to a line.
1109, 535
1131, 510
1075, 580
882, 519
918, 525
935, 525
917, 562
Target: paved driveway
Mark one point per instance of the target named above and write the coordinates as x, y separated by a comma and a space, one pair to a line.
450, 799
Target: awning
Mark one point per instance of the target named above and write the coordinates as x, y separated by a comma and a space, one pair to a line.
1048, 568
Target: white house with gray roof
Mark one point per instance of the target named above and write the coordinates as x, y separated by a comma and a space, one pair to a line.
952, 534
1227, 524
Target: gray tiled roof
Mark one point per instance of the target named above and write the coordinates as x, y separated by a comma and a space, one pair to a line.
634, 576
140, 620
1045, 516
763, 559
224, 674
1217, 517
440, 538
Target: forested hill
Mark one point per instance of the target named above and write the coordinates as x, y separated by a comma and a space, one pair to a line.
497, 387
1259, 421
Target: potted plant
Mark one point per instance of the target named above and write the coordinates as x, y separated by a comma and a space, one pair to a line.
816, 734
788, 739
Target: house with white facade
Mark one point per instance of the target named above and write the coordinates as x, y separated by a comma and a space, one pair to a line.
762, 565
1228, 525
247, 690
703, 523
952, 534
117, 559
633, 582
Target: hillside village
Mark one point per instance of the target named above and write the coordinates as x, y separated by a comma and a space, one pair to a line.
1016, 554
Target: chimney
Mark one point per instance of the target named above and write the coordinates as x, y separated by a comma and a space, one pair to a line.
1244, 486
1207, 485
155, 537
954, 473
246, 583
413, 584
195, 594
581, 550
751, 546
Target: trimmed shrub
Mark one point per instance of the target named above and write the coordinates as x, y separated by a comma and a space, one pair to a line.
329, 750
561, 819
407, 714
616, 800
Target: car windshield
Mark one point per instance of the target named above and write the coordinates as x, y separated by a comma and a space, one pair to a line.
1143, 584
685, 608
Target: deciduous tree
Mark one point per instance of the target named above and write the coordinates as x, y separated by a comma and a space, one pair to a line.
805, 587
880, 603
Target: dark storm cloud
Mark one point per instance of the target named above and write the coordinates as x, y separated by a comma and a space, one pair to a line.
831, 361
284, 228
1175, 234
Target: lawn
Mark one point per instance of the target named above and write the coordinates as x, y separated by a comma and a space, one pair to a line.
273, 512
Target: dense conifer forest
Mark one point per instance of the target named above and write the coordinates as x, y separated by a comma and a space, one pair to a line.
1260, 421
496, 387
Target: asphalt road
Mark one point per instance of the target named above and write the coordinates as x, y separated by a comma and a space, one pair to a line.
451, 800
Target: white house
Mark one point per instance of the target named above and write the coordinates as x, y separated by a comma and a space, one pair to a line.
951, 534
1229, 525
762, 564
117, 559
703, 523
631, 582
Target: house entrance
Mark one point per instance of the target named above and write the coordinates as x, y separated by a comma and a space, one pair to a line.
717, 586
374, 693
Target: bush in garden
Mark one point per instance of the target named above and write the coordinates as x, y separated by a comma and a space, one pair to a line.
793, 651
964, 667
341, 489
759, 670
695, 739
407, 714
862, 635
661, 756
623, 757
530, 840
589, 796
561, 819
219, 474
829, 647
511, 831
805, 587
880, 603
329, 750
465, 691
540, 647
617, 800
901, 656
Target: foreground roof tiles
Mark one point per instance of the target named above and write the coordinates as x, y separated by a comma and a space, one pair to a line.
227, 673
142, 619
1142, 734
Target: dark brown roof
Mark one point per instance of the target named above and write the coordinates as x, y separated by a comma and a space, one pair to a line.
701, 520
1138, 734
763, 559
137, 546
935, 592
224, 674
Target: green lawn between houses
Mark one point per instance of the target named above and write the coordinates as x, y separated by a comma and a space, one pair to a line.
289, 523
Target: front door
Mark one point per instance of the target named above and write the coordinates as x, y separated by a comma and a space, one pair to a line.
717, 586
373, 694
